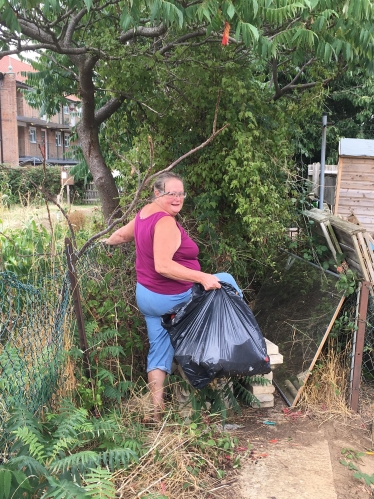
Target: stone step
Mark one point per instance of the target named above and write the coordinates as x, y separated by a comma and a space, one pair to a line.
271, 348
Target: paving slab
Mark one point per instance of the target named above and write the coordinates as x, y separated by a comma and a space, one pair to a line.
286, 470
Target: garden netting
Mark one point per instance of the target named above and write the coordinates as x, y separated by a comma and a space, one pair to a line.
33, 311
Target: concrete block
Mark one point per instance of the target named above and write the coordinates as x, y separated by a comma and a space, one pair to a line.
266, 404
268, 376
276, 359
259, 389
265, 399
272, 348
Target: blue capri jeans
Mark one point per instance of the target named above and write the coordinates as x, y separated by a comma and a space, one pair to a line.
153, 306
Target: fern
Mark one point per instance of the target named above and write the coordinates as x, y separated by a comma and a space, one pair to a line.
25, 462
33, 441
99, 484
81, 460
13, 483
63, 489
245, 395
52, 457
118, 458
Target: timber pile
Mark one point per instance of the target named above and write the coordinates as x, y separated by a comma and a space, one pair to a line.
343, 237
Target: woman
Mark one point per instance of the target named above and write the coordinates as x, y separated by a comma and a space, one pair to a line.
167, 267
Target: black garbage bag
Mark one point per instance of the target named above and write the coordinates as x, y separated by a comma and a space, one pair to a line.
215, 334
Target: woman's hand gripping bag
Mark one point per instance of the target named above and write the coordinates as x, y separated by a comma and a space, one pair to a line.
215, 334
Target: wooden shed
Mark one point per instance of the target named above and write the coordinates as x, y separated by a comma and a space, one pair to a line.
355, 182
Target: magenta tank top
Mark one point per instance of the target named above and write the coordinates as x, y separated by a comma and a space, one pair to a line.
186, 255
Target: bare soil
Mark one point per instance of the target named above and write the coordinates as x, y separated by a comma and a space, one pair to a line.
299, 455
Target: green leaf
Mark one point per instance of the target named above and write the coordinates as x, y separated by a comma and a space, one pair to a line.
230, 11
7, 480
88, 4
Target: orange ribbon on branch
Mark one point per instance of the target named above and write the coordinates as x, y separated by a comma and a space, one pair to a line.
226, 33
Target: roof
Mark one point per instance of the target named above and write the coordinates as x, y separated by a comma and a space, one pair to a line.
356, 147
41, 122
10, 64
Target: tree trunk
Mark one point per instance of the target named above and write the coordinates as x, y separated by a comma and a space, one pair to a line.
88, 132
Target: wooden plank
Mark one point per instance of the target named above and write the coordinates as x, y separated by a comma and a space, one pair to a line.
359, 346
364, 205
319, 350
357, 204
328, 240
366, 222
369, 247
359, 167
350, 253
362, 184
357, 208
334, 238
355, 267
317, 215
345, 226
343, 238
356, 193
369, 266
362, 263
337, 188
351, 161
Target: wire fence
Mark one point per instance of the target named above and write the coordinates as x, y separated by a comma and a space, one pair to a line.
33, 311
34, 318
368, 355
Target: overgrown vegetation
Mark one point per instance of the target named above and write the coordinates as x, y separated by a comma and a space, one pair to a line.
22, 185
95, 444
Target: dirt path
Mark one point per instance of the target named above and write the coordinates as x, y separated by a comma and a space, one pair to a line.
299, 456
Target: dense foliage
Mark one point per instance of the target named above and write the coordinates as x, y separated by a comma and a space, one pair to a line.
111, 54
20, 185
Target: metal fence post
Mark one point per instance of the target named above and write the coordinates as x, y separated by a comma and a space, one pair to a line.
71, 259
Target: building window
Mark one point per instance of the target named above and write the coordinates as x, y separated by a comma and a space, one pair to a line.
32, 132
58, 139
66, 140
65, 109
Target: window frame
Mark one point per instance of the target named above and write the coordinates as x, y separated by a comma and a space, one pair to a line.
67, 140
32, 129
58, 139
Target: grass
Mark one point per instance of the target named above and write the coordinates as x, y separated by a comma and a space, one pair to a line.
15, 216
183, 459
327, 387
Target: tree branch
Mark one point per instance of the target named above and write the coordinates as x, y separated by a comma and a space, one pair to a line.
72, 25
188, 36
154, 32
108, 109
303, 86
147, 178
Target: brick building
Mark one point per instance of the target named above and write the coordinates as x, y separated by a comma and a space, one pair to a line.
25, 136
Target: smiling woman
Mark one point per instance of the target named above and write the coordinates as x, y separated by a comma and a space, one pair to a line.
167, 266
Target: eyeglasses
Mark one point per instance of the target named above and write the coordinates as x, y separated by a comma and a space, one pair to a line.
175, 195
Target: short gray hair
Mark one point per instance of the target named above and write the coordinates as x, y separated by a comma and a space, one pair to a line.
159, 183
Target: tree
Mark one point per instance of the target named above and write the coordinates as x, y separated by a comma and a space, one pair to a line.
101, 39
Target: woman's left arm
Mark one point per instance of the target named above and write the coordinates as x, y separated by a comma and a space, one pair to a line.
123, 235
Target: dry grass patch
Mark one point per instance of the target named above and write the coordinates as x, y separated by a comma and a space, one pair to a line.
326, 391
184, 460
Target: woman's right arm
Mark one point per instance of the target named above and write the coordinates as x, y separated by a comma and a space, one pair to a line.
123, 235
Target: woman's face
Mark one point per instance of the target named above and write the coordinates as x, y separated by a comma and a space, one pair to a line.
171, 204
